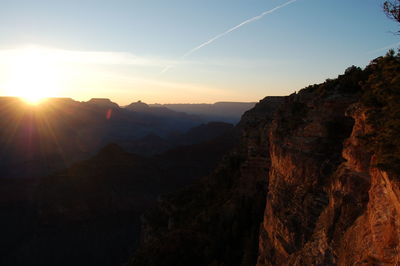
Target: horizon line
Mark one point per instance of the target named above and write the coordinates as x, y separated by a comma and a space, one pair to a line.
123, 105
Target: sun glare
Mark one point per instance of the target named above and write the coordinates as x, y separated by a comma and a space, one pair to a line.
33, 100
33, 75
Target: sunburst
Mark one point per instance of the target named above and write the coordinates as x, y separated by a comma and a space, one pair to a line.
33, 75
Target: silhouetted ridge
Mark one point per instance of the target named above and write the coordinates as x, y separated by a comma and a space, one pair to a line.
138, 106
61, 131
229, 112
160, 111
103, 102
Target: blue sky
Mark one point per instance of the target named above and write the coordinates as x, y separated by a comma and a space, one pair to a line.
302, 43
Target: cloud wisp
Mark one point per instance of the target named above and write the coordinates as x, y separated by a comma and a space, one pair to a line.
79, 57
248, 21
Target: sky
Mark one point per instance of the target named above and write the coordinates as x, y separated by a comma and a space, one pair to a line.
184, 51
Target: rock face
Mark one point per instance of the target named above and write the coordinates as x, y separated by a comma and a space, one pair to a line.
327, 202
348, 215
302, 188
372, 239
303, 158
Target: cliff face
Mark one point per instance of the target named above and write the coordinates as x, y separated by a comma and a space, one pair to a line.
347, 214
327, 202
304, 186
373, 238
304, 157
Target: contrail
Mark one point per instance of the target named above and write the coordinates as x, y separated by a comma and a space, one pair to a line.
229, 31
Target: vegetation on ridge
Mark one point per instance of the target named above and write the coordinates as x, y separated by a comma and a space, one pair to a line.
381, 95
379, 88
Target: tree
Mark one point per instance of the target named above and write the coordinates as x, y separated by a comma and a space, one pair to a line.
392, 9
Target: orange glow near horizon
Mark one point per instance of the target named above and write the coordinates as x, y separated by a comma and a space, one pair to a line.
32, 100
34, 73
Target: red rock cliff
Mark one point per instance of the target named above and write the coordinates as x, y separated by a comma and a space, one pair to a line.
346, 216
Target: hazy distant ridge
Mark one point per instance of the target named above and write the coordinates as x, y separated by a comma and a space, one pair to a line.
220, 111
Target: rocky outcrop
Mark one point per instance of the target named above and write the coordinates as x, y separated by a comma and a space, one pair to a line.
373, 239
327, 202
304, 186
304, 157
353, 218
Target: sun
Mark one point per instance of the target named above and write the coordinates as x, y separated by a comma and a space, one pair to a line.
33, 75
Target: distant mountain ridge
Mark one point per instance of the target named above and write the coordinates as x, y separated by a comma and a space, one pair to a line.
37, 139
229, 112
145, 109
80, 174
103, 102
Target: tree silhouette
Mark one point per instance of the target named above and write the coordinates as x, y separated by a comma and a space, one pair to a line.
392, 10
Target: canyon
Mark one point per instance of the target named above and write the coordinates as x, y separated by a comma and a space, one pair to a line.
311, 183
306, 179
